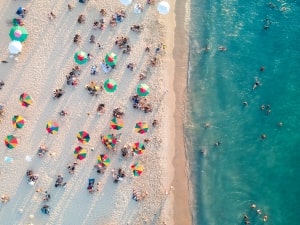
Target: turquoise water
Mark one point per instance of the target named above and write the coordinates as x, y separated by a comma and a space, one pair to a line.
244, 169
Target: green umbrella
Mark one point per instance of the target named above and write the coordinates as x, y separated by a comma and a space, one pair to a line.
111, 59
143, 90
81, 57
18, 33
110, 85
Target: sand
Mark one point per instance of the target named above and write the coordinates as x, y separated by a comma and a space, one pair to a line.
46, 59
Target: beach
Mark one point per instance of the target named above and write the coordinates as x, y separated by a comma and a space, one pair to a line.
152, 187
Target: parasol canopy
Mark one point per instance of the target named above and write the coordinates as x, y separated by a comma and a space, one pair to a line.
141, 127
14, 47
52, 127
110, 85
143, 90
117, 123
18, 33
163, 7
111, 59
109, 141
11, 141
137, 169
138, 148
103, 160
18, 121
81, 57
25, 99
83, 137
80, 153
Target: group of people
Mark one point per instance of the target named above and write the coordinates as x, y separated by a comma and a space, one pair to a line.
246, 218
117, 18
139, 195
31, 177
118, 175
141, 103
72, 77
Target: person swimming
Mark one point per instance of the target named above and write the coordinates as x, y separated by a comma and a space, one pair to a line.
256, 84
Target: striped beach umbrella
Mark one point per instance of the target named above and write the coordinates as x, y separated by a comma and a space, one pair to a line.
117, 123
111, 59
52, 127
137, 169
103, 160
109, 141
18, 121
138, 148
25, 99
11, 141
81, 57
141, 127
18, 33
143, 90
110, 85
83, 137
80, 153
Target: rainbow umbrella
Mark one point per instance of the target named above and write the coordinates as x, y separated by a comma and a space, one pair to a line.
141, 127
83, 137
109, 141
117, 123
110, 85
137, 169
18, 121
25, 99
52, 127
18, 33
81, 57
138, 148
11, 141
103, 160
143, 90
111, 59
80, 153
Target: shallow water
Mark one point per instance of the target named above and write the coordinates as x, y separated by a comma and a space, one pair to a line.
244, 169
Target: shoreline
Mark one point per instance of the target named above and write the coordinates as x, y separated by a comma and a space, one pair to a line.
182, 210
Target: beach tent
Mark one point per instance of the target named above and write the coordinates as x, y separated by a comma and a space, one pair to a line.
14, 47
163, 7
126, 2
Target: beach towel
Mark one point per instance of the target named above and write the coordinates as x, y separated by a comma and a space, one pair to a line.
91, 183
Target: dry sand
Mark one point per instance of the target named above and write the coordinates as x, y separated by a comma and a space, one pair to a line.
46, 59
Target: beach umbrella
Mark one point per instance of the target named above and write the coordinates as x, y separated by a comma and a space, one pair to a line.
137, 169
163, 7
80, 153
18, 33
18, 121
111, 59
81, 57
11, 141
117, 123
103, 160
143, 90
126, 2
141, 127
109, 141
25, 99
52, 127
138, 148
110, 85
83, 137
14, 47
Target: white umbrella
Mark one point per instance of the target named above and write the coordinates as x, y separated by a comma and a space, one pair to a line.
163, 7
15, 47
126, 2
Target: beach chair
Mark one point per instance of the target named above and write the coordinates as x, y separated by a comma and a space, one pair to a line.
45, 209
91, 185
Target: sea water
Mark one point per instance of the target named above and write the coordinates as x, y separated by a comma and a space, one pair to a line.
261, 40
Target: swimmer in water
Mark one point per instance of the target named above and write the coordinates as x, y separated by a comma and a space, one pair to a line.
265, 218
262, 107
256, 84
245, 103
222, 48
280, 124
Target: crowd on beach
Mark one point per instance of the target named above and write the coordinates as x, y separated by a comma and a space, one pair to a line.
95, 88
